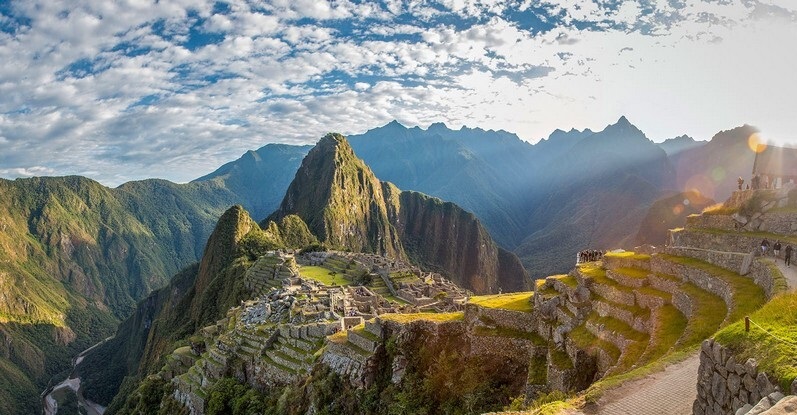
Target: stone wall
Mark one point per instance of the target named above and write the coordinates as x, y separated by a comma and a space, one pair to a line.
728, 242
732, 261
725, 222
516, 320
614, 262
700, 278
725, 385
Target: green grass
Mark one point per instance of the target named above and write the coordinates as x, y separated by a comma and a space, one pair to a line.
592, 270
560, 359
598, 276
566, 279
323, 275
627, 255
706, 315
633, 272
774, 352
436, 317
636, 310
669, 326
632, 355
747, 296
618, 326
585, 340
512, 301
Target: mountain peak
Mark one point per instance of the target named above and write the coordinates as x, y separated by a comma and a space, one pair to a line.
623, 121
437, 126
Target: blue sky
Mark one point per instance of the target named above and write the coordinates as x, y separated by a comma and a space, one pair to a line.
133, 89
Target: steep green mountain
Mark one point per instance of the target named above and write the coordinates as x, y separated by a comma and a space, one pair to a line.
196, 296
75, 257
345, 205
259, 178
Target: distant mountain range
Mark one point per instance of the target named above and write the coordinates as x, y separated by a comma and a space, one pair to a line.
75, 256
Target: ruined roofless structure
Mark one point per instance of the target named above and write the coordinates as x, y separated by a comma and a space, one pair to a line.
779, 164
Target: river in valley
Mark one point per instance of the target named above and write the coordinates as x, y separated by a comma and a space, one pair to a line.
58, 393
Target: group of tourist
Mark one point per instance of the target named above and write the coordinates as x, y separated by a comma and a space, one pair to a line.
589, 255
776, 251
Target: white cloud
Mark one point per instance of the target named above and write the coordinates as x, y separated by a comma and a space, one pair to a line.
290, 71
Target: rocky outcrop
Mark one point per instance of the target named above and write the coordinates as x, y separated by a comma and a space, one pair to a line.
345, 205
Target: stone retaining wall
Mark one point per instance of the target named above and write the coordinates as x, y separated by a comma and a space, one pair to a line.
725, 385
516, 320
700, 278
614, 262
725, 222
732, 261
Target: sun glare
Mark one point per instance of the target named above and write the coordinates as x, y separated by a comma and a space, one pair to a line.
756, 143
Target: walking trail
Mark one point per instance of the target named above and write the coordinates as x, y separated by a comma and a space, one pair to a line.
668, 392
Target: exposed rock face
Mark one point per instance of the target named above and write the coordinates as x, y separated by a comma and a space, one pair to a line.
345, 205
341, 200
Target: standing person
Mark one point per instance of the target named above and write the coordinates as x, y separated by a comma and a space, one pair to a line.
776, 248
764, 247
740, 181
787, 255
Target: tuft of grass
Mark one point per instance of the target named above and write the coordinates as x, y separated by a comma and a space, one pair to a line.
773, 344
511, 301
323, 275
435, 317
780, 285
560, 359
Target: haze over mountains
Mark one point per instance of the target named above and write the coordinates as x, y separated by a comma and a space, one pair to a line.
87, 253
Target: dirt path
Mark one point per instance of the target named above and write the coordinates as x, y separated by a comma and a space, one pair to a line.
668, 392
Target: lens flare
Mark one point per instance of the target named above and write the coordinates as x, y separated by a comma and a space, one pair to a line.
756, 143
678, 209
701, 184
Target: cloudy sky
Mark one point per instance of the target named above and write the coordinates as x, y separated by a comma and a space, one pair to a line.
129, 89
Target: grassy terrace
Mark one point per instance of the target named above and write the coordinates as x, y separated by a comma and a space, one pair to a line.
706, 318
436, 317
747, 296
566, 279
323, 275
627, 255
585, 340
773, 344
617, 326
511, 333
598, 275
669, 326
637, 273
756, 235
511, 301
636, 310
